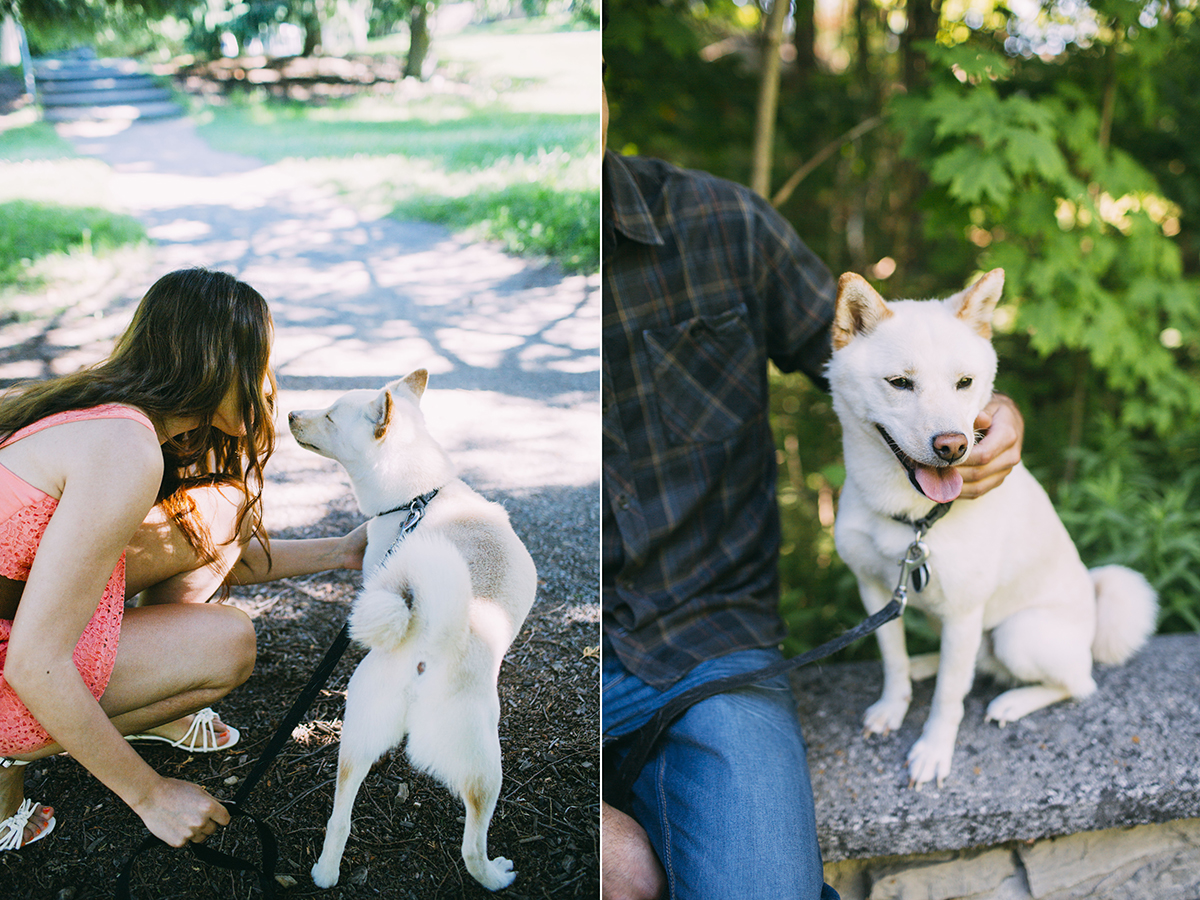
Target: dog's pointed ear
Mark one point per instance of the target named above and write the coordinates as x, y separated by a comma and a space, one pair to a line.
976, 304
381, 413
416, 382
859, 309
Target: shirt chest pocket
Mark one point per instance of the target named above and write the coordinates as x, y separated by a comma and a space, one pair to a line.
706, 376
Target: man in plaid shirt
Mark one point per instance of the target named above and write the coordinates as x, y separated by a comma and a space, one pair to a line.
703, 282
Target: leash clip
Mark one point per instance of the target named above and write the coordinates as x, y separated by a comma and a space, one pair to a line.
912, 565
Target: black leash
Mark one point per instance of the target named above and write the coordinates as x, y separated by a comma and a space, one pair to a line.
617, 789
270, 848
642, 740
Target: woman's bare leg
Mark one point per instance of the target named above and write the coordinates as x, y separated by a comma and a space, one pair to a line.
177, 654
172, 661
162, 568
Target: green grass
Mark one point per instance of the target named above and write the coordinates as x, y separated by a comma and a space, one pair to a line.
529, 219
528, 180
469, 141
53, 205
32, 232
33, 141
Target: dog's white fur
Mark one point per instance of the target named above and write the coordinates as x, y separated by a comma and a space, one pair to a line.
1006, 582
437, 615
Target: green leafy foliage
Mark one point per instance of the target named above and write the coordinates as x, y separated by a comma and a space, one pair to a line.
1079, 228
1137, 503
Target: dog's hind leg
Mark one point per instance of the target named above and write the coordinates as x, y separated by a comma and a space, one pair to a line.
467, 723
351, 773
375, 721
1012, 705
1049, 650
479, 796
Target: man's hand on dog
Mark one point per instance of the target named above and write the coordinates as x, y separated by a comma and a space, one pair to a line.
1000, 449
631, 870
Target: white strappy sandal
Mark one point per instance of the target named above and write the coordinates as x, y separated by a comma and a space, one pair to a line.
12, 829
201, 736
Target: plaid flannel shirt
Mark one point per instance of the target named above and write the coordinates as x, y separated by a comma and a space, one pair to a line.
703, 282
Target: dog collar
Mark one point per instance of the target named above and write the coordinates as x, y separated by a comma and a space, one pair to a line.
416, 511
922, 525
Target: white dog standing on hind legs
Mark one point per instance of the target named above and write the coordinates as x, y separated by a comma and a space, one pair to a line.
447, 584
908, 380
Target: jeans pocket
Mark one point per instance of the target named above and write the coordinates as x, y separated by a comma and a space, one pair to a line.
707, 374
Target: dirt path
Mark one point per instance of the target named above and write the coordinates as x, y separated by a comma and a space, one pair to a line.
512, 348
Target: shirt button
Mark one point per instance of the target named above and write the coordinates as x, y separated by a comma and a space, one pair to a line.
622, 502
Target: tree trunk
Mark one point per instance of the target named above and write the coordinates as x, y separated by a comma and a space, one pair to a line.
922, 25
805, 37
310, 21
910, 182
768, 99
418, 47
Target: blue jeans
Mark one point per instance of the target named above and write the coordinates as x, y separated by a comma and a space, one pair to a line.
725, 797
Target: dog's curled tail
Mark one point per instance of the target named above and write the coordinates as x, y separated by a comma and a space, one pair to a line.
424, 583
1126, 613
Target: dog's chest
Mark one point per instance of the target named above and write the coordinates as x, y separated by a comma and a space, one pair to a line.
878, 552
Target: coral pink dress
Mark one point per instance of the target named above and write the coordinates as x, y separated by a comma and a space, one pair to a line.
24, 513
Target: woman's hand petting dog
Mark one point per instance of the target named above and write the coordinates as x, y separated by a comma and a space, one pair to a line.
998, 451
353, 546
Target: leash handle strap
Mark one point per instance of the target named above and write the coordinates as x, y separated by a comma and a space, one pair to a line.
644, 738
270, 847
216, 858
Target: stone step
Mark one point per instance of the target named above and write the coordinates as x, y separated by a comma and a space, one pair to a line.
151, 110
94, 83
99, 89
105, 97
59, 69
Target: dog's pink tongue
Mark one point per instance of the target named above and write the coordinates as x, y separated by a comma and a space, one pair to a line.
941, 484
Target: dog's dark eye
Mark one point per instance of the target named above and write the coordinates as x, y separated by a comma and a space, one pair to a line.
965, 382
901, 383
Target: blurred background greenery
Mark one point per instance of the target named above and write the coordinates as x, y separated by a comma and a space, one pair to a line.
920, 144
482, 115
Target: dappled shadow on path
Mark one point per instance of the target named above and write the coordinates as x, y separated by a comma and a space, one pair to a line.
356, 300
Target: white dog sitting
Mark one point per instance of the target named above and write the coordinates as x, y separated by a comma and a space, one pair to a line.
1003, 577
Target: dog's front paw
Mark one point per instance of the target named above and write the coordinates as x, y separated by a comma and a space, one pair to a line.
325, 872
929, 759
493, 874
884, 716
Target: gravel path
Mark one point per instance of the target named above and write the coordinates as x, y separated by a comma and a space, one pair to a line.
513, 353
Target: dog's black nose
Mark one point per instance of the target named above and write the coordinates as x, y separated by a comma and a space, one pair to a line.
950, 446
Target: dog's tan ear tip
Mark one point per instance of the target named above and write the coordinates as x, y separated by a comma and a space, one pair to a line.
849, 278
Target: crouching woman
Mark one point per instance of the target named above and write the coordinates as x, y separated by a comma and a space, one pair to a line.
140, 477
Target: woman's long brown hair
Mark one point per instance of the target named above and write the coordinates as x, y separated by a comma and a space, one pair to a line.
196, 336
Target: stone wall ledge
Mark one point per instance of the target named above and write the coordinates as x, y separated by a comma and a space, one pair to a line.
1127, 756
